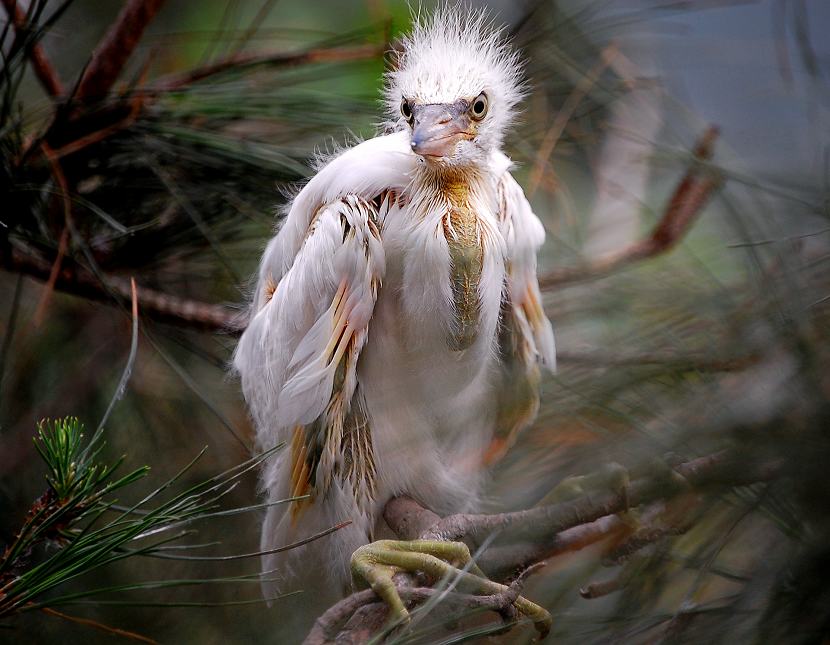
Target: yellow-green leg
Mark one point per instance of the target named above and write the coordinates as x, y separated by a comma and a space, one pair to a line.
378, 562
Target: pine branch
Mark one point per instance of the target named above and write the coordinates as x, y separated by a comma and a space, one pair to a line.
76, 280
112, 53
275, 59
527, 538
686, 203
46, 74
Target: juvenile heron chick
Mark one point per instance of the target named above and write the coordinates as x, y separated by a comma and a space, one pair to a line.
396, 330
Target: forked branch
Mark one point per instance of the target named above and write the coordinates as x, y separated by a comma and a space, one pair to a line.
44, 71
526, 538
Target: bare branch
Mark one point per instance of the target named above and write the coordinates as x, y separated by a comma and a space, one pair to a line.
721, 468
44, 71
527, 538
278, 59
112, 631
115, 48
359, 616
76, 280
687, 202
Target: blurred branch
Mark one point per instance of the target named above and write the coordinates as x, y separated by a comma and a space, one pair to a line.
278, 59
112, 53
361, 615
44, 71
564, 114
686, 203
696, 361
86, 622
527, 538
76, 280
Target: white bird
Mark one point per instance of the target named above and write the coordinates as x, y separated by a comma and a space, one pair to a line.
396, 330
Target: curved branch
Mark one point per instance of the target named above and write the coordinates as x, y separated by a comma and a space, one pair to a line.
278, 59
686, 203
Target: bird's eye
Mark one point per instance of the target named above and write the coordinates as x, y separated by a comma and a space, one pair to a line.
406, 110
479, 107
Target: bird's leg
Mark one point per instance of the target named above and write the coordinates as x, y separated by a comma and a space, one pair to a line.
378, 562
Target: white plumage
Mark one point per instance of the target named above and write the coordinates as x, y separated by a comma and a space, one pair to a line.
396, 327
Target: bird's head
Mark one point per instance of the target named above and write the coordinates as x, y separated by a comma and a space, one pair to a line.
455, 88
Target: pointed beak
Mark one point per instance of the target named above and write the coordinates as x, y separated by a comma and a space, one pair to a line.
438, 127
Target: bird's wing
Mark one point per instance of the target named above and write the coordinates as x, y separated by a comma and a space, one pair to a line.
297, 359
525, 336
366, 169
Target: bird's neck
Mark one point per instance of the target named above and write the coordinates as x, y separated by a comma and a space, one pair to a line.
456, 194
454, 184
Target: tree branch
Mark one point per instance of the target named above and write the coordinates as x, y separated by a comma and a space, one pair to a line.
526, 538
44, 71
278, 59
76, 280
686, 203
115, 48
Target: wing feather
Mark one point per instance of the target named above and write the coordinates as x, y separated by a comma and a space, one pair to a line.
298, 357
526, 336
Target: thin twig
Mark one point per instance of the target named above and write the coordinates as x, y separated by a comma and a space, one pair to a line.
112, 53
115, 631
44, 71
564, 115
63, 186
276, 59
687, 202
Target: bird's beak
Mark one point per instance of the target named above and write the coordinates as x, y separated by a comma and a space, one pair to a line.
436, 128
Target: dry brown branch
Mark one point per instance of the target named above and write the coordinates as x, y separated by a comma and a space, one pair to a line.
63, 243
358, 617
112, 631
526, 538
686, 203
159, 306
722, 469
602, 588
278, 59
115, 48
364, 605
44, 71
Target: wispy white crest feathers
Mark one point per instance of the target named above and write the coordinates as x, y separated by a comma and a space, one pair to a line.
455, 54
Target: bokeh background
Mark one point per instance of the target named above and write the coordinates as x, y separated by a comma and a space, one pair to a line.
718, 343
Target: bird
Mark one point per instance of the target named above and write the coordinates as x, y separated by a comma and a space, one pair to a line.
396, 334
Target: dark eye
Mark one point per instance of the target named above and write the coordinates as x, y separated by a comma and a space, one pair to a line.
479, 107
406, 110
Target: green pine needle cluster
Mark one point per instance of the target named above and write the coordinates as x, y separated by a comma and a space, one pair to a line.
77, 526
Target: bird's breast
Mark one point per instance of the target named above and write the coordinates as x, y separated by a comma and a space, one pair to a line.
464, 241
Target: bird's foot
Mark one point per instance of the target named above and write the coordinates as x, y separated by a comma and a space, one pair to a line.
611, 476
376, 564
